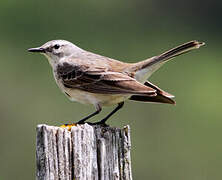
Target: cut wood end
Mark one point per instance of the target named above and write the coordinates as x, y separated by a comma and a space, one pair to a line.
68, 126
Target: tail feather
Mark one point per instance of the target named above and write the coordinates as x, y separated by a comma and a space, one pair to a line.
146, 68
184, 48
161, 97
154, 99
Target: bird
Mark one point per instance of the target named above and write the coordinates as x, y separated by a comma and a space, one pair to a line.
100, 81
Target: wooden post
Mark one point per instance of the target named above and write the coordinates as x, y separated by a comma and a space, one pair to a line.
84, 153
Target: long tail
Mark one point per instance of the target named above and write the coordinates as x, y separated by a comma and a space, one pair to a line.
155, 62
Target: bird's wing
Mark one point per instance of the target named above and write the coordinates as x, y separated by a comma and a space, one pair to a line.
99, 80
161, 97
158, 90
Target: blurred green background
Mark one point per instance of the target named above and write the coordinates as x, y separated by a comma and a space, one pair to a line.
181, 142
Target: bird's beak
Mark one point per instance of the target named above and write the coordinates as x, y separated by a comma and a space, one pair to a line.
39, 49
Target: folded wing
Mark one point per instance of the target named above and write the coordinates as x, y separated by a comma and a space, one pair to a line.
98, 80
161, 97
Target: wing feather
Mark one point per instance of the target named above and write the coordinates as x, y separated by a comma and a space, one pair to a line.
161, 97
100, 80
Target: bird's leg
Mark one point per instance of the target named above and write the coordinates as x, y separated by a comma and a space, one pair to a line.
98, 110
103, 121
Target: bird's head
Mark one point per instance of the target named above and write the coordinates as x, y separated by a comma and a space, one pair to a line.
57, 49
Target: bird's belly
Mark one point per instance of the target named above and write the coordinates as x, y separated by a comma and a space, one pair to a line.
92, 98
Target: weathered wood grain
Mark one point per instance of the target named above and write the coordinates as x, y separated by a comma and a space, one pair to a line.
84, 153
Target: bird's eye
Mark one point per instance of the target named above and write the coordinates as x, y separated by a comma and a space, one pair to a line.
57, 46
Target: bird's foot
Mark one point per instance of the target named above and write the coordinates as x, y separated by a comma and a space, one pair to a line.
101, 123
